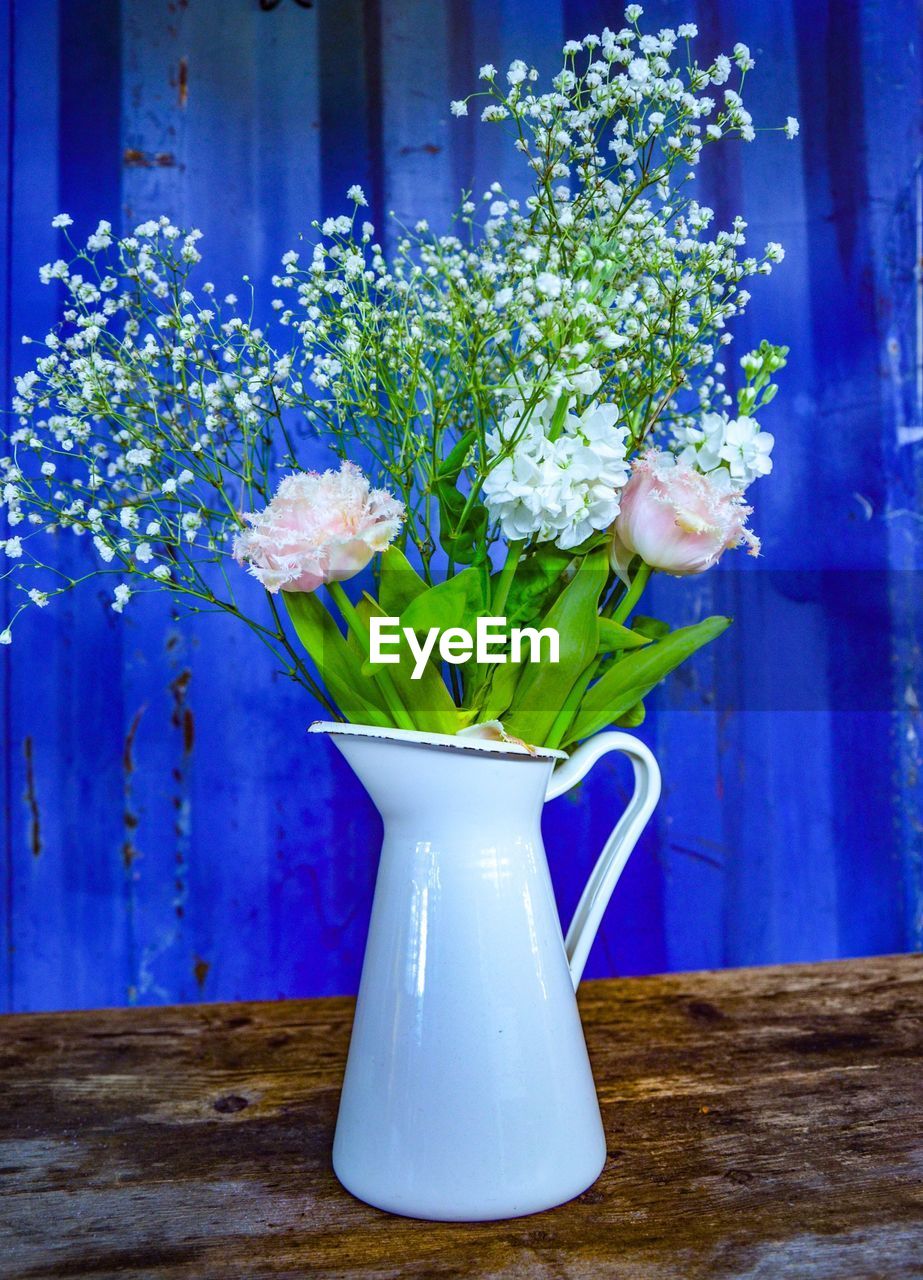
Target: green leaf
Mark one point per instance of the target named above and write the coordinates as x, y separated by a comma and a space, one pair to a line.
340, 668
427, 699
452, 603
652, 628
461, 528
365, 607
633, 717
598, 539
498, 693
613, 636
631, 678
540, 577
457, 602
453, 462
400, 582
543, 687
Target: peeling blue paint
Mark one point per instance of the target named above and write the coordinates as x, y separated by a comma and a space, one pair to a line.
208, 849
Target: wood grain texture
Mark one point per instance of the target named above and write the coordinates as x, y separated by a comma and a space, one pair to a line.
166, 832
761, 1123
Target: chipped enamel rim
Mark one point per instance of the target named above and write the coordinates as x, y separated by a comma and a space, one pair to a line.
488, 746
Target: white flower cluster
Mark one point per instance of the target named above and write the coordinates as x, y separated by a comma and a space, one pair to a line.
143, 423
736, 444
558, 472
735, 449
609, 265
155, 413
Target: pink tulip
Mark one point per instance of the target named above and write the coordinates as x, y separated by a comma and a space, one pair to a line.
318, 528
677, 519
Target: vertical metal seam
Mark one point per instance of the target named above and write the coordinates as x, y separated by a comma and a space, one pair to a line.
374, 104
6, 363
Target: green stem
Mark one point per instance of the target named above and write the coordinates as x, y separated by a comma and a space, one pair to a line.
505, 581
352, 619
616, 594
299, 667
570, 707
632, 595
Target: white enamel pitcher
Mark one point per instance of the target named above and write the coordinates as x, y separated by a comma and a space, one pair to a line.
468, 1092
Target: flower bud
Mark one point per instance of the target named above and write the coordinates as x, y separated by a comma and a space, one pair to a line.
677, 519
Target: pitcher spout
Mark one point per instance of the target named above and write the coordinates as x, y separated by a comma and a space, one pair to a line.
409, 775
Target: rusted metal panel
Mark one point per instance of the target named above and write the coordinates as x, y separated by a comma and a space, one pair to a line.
169, 832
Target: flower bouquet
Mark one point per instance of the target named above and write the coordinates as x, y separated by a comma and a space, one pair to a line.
539, 390
527, 415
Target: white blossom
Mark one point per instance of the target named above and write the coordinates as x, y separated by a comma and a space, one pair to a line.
559, 490
586, 381
101, 237
737, 443
590, 281
548, 283
122, 596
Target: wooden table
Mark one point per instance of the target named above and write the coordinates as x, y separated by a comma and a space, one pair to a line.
762, 1123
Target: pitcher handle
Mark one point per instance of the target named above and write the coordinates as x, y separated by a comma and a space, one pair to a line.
611, 862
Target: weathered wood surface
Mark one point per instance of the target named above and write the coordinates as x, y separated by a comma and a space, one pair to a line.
762, 1124
142, 758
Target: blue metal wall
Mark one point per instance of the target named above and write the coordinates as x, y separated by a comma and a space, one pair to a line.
168, 831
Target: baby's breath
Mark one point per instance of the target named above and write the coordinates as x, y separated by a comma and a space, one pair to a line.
597, 309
